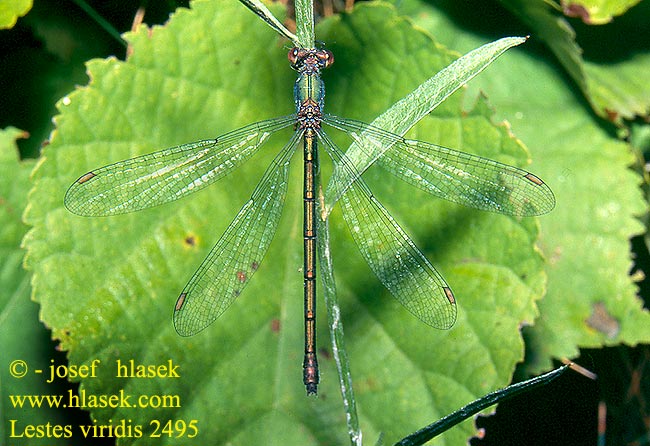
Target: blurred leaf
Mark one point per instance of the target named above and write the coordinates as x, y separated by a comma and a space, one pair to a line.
591, 299
22, 336
10, 11
42, 59
616, 57
596, 12
618, 90
555, 31
611, 82
107, 285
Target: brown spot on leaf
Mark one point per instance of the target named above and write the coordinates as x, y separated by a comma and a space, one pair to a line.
575, 10
602, 321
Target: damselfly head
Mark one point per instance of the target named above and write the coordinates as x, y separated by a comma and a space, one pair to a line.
310, 59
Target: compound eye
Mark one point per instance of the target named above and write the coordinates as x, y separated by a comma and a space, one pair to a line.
293, 56
328, 58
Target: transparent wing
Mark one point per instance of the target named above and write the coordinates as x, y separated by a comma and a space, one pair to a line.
459, 177
391, 254
167, 175
234, 259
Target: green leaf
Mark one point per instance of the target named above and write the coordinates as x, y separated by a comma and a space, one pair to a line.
617, 90
107, 286
598, 12
608, 74
591, 300
11, 11
616, 56
22, 336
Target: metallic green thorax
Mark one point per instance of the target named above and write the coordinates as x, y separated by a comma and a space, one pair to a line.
309, 90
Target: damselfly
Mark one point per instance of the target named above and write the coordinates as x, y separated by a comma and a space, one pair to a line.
170, 174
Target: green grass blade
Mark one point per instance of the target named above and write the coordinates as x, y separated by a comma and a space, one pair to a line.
406, 112
305, 23
337, 339
433, 430
263, 12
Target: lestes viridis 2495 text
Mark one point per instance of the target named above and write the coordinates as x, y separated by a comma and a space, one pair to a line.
172, 173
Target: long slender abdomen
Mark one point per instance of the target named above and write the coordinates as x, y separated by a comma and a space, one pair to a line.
310, 362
